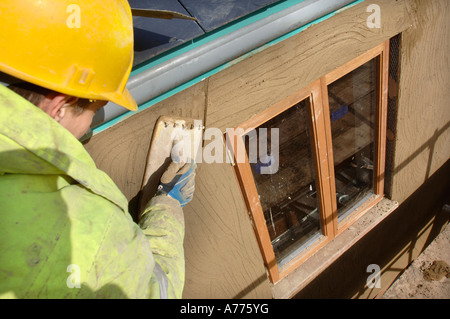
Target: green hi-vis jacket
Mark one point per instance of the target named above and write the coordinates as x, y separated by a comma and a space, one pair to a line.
65, 230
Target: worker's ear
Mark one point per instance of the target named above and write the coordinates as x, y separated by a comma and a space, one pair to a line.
55, 105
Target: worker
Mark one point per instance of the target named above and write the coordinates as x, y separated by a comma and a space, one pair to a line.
65, 229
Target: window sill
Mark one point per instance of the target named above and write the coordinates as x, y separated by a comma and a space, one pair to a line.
311, 268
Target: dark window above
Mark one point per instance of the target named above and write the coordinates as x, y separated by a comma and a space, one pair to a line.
155, 36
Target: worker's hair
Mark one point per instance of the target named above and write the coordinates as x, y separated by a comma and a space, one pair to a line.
35, 94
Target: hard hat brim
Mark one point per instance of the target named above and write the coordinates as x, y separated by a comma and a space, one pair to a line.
124, 99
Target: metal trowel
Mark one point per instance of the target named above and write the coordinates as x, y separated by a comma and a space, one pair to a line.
174, 139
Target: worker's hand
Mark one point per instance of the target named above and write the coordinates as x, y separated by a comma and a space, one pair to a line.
178, 182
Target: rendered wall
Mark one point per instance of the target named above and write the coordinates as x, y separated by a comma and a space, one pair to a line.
421, 166
422, 136
222, 255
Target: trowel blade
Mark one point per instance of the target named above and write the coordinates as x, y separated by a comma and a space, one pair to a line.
174, 139
160, 14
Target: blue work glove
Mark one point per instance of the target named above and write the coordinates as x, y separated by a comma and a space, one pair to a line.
178, 182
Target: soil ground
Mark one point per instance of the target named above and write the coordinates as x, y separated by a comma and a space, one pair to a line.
428, 276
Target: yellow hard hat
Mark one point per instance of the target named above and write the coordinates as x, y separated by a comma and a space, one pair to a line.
82, 48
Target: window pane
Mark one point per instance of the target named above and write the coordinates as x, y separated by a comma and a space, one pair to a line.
353, 104
287, 194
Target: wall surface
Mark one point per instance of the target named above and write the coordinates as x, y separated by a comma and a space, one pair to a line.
392, 245
422, 139
423, 122
222, 255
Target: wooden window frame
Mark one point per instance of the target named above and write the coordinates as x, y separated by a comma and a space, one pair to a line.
320, 124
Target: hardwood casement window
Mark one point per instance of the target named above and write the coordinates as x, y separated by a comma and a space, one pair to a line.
328, 143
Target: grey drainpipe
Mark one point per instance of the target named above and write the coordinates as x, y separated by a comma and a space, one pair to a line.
174, 72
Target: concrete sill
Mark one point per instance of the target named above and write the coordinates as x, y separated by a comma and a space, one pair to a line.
311, 268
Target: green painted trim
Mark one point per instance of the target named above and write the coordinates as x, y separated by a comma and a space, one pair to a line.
221, 32
210, 36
